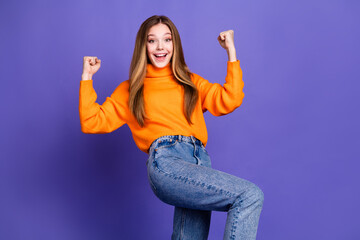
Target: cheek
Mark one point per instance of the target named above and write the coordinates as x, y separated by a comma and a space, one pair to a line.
148, 50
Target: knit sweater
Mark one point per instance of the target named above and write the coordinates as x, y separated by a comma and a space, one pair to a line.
163, 100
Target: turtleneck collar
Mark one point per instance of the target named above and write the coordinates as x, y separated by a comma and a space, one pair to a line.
154, 72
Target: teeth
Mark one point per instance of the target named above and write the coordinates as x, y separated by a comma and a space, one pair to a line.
161, 55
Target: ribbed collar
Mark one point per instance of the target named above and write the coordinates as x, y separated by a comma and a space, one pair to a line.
154, 72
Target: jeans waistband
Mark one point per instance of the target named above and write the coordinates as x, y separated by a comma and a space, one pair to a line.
180, 138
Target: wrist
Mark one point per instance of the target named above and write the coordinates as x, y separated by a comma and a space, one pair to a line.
231, 54
231, 49
86, 77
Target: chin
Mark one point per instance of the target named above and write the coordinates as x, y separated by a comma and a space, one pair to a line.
161, 65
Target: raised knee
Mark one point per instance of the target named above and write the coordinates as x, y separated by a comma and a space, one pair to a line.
256, 194
252, 195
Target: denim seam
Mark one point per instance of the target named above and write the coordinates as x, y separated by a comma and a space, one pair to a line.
204, 185
233, 224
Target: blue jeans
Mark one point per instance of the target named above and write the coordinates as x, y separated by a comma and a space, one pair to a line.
180, 174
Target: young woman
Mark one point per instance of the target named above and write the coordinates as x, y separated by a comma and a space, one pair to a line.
163, 104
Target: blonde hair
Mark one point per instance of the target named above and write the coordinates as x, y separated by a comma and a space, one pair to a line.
139, 63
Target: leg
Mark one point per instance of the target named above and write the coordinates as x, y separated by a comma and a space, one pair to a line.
243, 215
179, 182
190, 224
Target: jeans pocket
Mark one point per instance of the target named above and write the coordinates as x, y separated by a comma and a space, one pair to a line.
166, 144
164, 150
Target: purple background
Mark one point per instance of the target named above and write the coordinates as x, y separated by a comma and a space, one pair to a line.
296, 134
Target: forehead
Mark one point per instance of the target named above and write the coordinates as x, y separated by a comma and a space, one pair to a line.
159, 30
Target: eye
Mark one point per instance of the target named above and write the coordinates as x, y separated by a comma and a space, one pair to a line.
168, 39
150, 41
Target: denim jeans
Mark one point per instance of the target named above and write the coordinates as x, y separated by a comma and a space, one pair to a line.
180, 174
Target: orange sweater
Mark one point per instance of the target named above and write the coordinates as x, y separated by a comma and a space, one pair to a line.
163, 98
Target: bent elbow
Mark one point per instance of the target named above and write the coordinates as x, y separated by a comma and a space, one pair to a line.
85, 128
235, 102
239, 100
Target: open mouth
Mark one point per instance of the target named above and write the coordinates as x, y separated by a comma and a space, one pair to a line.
160, 57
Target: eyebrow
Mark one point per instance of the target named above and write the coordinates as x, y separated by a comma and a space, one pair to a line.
154, 34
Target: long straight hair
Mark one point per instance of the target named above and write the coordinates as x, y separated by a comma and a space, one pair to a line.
139, 63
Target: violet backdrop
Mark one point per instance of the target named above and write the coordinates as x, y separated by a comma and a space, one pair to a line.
296, 134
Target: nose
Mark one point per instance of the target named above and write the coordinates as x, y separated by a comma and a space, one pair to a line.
160, 45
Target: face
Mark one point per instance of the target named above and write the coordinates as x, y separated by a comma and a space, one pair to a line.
159, 45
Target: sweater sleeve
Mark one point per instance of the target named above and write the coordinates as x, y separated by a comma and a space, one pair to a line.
218, 99
105, 118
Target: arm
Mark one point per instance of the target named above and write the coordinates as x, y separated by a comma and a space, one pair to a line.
218, 99
95, 118
105, 118
221, 100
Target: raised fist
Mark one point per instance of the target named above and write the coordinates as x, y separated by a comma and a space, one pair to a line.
90, 66
226, 39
